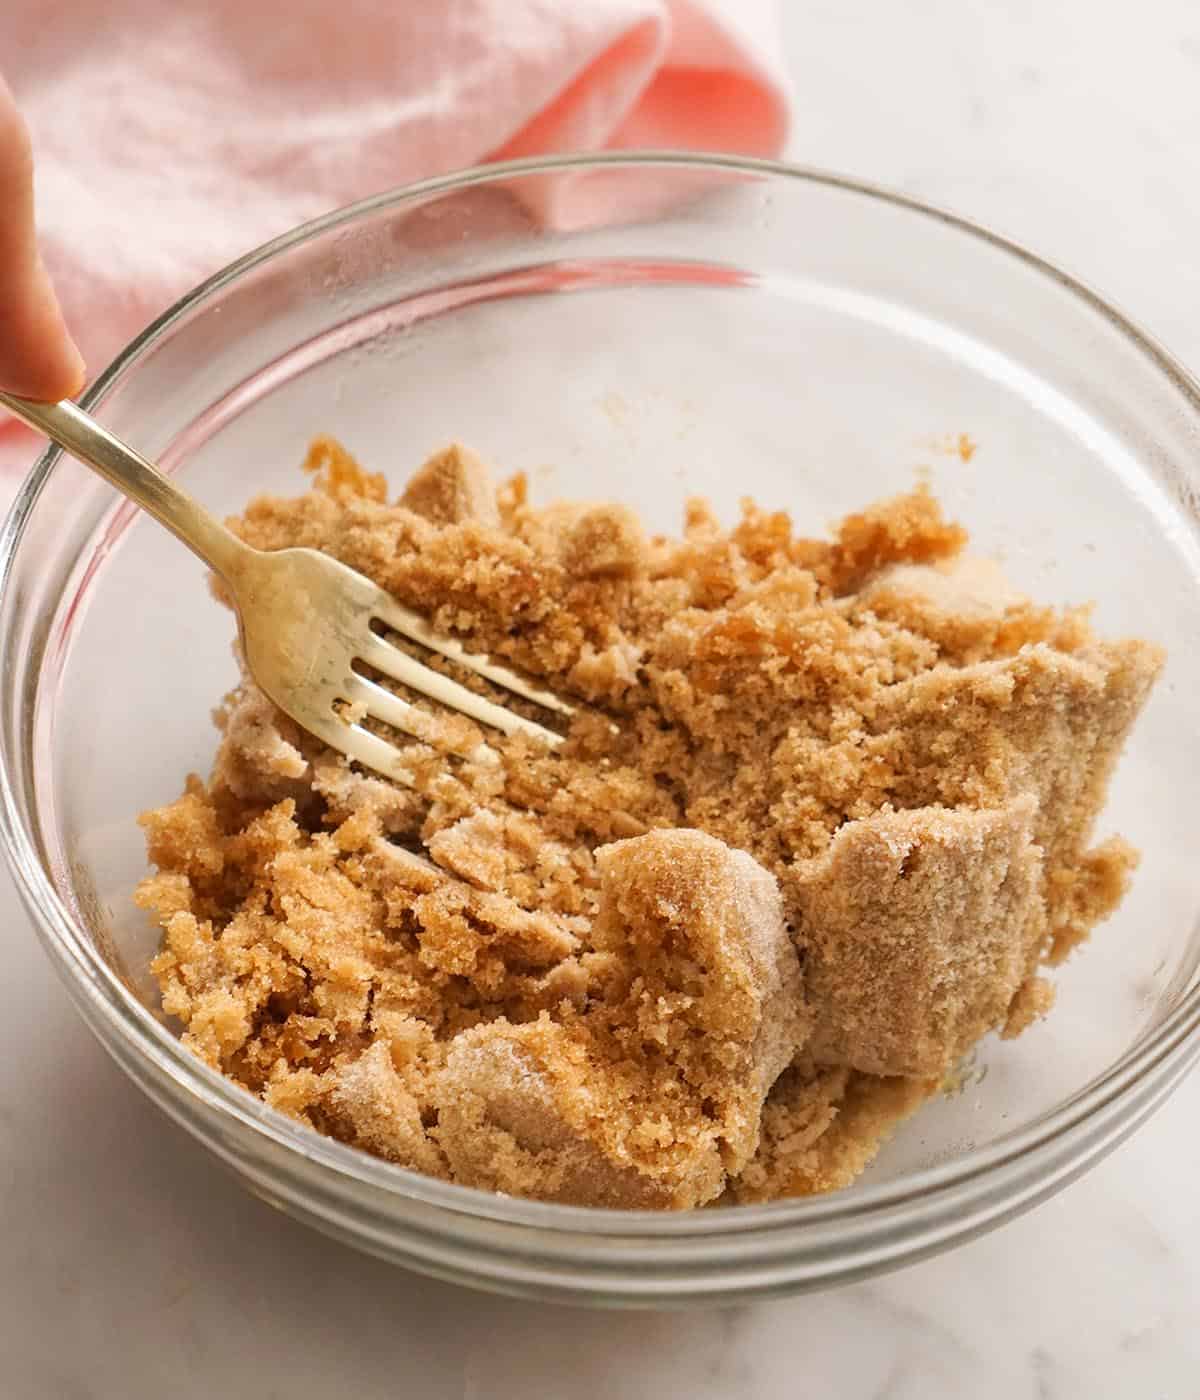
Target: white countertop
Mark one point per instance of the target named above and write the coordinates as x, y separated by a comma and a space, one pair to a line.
133, 1267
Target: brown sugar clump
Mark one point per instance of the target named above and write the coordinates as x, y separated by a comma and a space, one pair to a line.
822, 1129
909, 529
451, 487
520, 1116
379, 1113
920, 927
338, 474
605, 542
822, 818
714, 979
1034, 998
654, 1094
1043, 722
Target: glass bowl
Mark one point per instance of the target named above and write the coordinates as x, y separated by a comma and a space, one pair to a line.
808, 340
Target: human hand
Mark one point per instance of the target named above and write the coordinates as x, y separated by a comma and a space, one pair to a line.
38, 358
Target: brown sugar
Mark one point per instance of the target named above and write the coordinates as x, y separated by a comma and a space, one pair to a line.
821, 819
451, 487
920, 928
653, 1094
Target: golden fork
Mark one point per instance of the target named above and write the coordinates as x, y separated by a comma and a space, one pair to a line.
304, 618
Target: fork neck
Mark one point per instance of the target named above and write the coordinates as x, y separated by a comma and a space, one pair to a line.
132, 474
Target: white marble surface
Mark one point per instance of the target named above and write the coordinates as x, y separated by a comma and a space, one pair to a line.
133, 1268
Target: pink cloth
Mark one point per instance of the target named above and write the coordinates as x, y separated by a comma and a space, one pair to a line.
172, 137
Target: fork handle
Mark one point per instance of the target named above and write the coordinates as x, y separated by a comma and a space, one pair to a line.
79, 434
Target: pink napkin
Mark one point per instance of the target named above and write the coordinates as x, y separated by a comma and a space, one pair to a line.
170, 138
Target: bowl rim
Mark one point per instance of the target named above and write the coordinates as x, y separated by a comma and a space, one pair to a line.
81, 965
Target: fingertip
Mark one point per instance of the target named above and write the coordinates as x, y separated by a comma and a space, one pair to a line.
62, 365
74, 375
38, 357
55, 371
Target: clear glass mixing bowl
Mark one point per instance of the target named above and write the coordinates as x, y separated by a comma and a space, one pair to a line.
776, 332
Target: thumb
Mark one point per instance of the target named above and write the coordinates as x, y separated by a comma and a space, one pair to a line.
38, 358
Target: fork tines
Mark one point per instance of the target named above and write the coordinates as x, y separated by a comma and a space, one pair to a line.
378, 702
